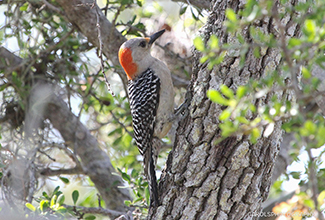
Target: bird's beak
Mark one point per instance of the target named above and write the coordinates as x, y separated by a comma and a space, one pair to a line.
155, 36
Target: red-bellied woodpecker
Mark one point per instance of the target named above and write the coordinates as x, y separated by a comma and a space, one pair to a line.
151, 96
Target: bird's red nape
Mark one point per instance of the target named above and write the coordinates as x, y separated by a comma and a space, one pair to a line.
126, 60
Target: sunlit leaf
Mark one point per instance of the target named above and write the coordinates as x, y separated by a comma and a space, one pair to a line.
231, 15
216, 97
53, 200
127, 202
44, 204
199, 44
255, 134
24, 7
241, 91
226, 91
30, 207
214, 42
305, 73
224, 115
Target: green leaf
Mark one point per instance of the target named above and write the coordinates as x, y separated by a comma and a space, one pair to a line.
75, 196
140, 2
45, 195
255, 134
134, 173
310, 26
126, 177
320, 136
204, 59
127, 202
242, 120
228, 128
44, 204
321, 197
126, 2
65, 180
30, 207
253, 14
294, 42
257, 52
56, 190
24, 7
310, 127
224, 115
90, 217
199, 44
194, 16
182, 10
226, 91
61, 209
53, 200
216, 97
231, 15
240, 38
241, 91
295, 175
214, 42
60, 199
309, 203
305, 73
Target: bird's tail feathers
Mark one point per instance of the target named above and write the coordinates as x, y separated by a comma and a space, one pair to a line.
150, 172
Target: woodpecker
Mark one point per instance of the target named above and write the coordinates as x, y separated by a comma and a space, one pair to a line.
151, 95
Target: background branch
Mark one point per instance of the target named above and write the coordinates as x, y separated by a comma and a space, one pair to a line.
95, 162
203, 4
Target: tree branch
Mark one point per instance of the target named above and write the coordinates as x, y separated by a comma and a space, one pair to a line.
94, 210
95, 162
83, 16
203, 4
50, 172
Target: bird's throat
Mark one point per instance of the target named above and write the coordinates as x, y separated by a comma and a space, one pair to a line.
126, 60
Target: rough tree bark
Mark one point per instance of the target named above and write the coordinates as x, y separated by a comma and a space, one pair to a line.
205, 179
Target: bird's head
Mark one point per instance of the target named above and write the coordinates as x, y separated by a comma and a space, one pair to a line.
134, 54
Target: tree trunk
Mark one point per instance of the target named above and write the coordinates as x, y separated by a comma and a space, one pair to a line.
208, 179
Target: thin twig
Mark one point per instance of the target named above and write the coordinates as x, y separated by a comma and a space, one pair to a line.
89, 91
100, 53
72, 171
106, 8
52, 7
69, 153
286, 51
99, 200
123, 126
314, 183
48, 156
95, 210
47, 50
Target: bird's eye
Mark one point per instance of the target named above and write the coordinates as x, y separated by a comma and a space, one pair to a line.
142, 44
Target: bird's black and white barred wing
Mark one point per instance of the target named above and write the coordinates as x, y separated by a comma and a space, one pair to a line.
144, 100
